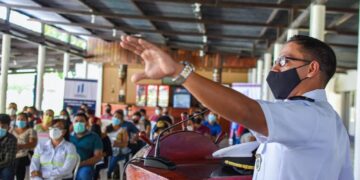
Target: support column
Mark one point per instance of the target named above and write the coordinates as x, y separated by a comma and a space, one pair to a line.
317, 21
277, 49
66, 65
259, 71
40, 76
357, 115
291, 33
5, 51
86, 68
252, 75
99, 89
267, 66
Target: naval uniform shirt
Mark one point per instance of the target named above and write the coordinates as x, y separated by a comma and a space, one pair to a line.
306, 141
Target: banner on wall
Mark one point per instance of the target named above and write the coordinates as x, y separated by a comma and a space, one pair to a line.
251, 90
79, 91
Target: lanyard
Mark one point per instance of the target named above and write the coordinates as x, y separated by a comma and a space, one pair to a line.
294, 98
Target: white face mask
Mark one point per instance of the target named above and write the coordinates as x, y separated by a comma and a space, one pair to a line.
55, 133
157, 112
11, 112
190, 128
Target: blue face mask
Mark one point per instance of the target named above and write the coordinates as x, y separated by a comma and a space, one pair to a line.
211, 118
20, 124
115, 121
2, 132
79, 127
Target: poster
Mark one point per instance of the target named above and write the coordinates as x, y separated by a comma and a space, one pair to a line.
79, 91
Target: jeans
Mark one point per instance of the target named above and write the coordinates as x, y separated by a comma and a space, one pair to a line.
85, 173
20, 167
7, 173
113, 163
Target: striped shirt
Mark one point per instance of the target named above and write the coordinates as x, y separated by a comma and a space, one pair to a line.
54, 163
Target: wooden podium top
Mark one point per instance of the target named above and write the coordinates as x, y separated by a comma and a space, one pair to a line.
194, 170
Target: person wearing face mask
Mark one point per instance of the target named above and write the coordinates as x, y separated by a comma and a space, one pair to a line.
26, 141
107, 115
88, 145
156, 115
213, 125
11, 111
46, 122
119, 137
146, 122
196, 124
296, 132
55, 159
8, 143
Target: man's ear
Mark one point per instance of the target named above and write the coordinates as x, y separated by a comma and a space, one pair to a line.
314, 69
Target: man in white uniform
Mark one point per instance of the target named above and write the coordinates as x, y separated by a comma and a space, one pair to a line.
301, 136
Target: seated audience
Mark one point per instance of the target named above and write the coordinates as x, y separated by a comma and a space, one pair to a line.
8, 144
196, 124
144, 120
107, 150
211, 123
26, 141
46, 122
118, 133
92, 118
11, 111
160, 126
55, 159
107, 115
88, 145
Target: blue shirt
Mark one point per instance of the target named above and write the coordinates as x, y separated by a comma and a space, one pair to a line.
130, 128
215, 129
87, 144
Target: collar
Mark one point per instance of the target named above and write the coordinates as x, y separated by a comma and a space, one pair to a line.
317, 95
49, 144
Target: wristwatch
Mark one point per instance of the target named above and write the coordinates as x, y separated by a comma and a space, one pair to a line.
185, 73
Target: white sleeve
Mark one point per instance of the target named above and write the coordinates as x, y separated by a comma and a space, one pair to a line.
289, 123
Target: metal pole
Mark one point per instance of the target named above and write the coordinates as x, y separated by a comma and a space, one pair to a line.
259, 71
277, 49
317, 21
357, 114
5, 51
40, 75
99, 88
291, 32
267, 66
66, 65
86, 68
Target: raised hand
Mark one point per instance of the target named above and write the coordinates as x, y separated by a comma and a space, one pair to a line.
158, 64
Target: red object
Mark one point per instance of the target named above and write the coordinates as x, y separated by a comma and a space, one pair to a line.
190, 151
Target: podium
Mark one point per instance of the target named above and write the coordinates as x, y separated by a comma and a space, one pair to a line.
192, 154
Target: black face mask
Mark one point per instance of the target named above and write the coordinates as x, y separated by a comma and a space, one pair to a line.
282, 83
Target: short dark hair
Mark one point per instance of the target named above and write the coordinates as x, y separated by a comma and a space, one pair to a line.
119, 111
5, 119
24, 114
142, 110
91, 112
55, 121
82, 115
320, 51
137, 113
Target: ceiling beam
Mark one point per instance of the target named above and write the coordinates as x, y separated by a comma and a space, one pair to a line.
237, 4
345, 17
143, 14
147, 17
164, 32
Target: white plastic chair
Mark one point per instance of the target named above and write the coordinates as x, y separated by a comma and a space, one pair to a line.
121, 164
77, 165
